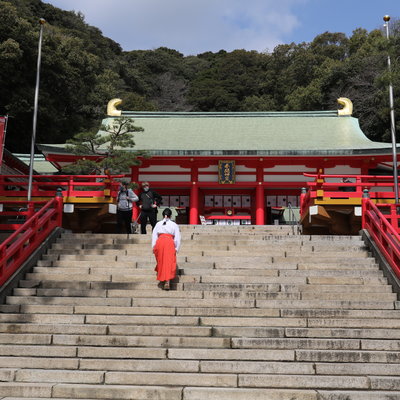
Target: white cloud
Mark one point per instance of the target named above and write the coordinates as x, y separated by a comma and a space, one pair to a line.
190, 26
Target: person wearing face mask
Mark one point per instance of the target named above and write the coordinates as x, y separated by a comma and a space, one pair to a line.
165, 241
125, 200
149, 201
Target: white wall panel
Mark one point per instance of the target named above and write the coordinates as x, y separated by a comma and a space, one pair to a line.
245, 178
290, 168
242, 168
208, 178
164, 178
211, 168
287, 178
172, 168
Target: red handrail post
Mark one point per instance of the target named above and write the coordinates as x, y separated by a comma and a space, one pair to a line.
70, 186
31, 209
302, 199
393, 217
364, 202
358, 185
59, 206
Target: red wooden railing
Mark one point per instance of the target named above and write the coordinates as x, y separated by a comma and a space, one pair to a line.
78, 186
382, 232
26, 239
379, 187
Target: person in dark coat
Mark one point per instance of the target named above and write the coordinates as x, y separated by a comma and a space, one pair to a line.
125, 200
149, 201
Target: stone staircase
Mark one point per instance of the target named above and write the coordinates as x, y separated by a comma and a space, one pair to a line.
256, 313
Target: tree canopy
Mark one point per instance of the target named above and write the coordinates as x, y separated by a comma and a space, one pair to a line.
82, 70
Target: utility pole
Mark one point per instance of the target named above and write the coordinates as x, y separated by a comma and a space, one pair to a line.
35, 108
386, 18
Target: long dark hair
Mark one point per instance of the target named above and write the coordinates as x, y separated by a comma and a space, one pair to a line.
166, 213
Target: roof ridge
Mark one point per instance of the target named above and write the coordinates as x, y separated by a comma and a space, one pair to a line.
221, 114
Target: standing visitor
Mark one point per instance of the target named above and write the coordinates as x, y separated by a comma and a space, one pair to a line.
125, 200
166, 240
149, 200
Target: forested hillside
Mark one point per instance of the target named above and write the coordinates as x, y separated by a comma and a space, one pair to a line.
82, 70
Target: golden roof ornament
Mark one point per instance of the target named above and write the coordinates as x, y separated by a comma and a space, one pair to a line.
347, 106
112, 108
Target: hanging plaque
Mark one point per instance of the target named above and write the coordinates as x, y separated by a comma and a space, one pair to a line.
226, 172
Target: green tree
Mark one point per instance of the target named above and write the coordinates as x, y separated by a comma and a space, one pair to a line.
106, 150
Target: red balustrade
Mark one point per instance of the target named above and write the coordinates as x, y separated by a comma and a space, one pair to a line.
330, 189
75, 186
16, 249
383, 233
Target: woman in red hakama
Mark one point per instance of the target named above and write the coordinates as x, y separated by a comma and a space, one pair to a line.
166, 241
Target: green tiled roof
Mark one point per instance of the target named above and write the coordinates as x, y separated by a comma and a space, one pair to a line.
253, 133
40, 164
237, 132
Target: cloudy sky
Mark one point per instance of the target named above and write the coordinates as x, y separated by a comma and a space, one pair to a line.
196, 26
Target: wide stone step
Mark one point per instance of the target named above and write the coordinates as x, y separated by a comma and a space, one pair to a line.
234, 243
84, 329
193, 393
82, 391
373, 333
389, 357
142, 341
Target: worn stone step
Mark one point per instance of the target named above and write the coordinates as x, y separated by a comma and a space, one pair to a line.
75, 391
389, 357
254, 367
37, 351
37, 362
303, 381
355, 369
358, 395
343, 288
350, 296
171, 379
196, 393
85, 329
331, 272
59, 376
231, 354
198, 302
25, 390
221, 294
141, 320
143, 365
373, 333
264, 287
290, 343
227, 311
263, 322
141, 341
353, 322
340, 313
42, 318
66, 300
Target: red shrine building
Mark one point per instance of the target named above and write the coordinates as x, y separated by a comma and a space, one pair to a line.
237, 167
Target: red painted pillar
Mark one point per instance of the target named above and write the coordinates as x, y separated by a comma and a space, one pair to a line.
260, 205
194, 197
194, 204
260, 198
